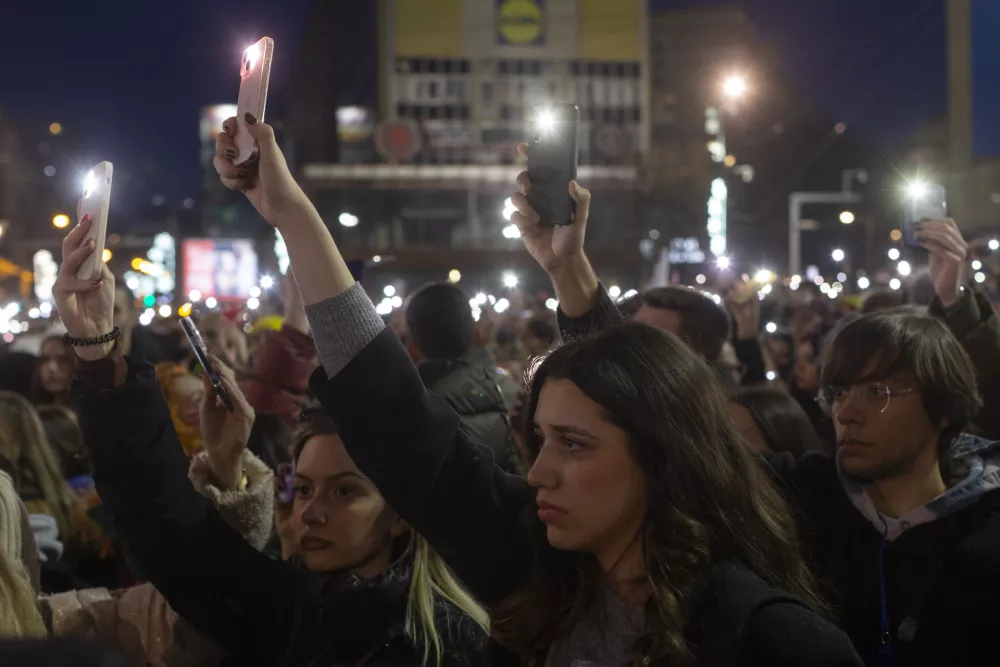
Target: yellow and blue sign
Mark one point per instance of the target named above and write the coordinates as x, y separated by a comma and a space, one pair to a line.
521, 22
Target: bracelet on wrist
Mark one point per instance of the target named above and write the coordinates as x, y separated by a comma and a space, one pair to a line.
114, 335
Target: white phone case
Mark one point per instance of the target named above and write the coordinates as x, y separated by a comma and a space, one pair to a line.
255, 75
94, 202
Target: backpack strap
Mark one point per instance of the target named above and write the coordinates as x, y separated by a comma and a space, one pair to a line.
730, 594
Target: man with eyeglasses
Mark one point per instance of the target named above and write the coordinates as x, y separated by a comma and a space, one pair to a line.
902, 527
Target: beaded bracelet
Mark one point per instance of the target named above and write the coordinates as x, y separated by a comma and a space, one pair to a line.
115, 334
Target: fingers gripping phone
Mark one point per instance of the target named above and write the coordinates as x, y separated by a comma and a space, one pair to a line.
924, 201
201, 353
255, 75
552, 163
94, 202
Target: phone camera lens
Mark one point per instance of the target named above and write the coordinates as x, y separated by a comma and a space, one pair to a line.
536, 137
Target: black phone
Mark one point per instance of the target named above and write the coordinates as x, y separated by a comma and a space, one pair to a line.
924, 201
552, 162
201, 354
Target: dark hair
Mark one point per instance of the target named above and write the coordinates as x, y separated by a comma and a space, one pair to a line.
880, 345
704, 325
781, 420
271, 440
439, 320
313, 422
541, 329
879, 300
66, 439
39, 395
708, 499
17, 372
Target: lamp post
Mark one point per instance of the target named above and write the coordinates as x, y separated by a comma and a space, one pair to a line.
797, 199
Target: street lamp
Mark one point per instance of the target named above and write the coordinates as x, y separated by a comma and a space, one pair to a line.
734, 86
837, 255
846, 217
348, 220
60, 221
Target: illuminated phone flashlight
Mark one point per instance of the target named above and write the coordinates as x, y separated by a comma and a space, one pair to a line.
546, 120
916, 189
89, 184
251, 55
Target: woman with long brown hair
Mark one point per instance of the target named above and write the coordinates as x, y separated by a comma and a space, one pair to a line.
645, 532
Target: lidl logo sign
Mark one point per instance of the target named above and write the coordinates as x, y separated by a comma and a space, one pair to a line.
521, 22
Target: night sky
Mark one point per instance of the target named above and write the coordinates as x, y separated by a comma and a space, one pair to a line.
133, 84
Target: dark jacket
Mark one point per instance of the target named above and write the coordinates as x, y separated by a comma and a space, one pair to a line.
261, 611
469, 386
481, 520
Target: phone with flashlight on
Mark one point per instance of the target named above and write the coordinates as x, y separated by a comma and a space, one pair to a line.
552, 162
95, 201
924, 201
201, 354
255, 76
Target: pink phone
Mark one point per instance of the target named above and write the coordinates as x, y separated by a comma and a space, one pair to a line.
255, 73
94, 202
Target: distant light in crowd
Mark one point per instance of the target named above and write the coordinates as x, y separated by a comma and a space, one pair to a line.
654, 234
46, 309
492, 299
893, 254
841, 276
846, 217
629, 294
729, 160
717, 299
132, 283
509, 280
106, 256
49, 171
348, 220
894, 283
194, 295
833, 294
253, 303
511, 232
55, 128
771, 375
818, 280
700, 278
824, 288
976, 265
840, 128
895, 235
60, 221
384, 308
916, 189
376, 259
396, 301
763, 276
994, 244
480, 298
185, 310
771, 327
501, 305
614, 291
980, 277
863, 282
267, 282
794, 285
34, 313
188, 203
454, 275
722, 262
165, 310
508, 208
211, 302
255, 292
388, 290
837, 286
734, 86
146, 318
903, 268
837, 255
552, 304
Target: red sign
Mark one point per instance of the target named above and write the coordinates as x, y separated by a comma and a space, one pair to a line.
398, 139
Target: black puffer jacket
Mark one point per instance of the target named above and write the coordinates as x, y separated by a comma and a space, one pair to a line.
261, 611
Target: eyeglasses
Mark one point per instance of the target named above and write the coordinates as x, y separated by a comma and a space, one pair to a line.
876, 395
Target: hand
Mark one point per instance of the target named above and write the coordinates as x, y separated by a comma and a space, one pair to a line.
225, 433
947, 261
746, 314
550, 245
86, 307
266, 182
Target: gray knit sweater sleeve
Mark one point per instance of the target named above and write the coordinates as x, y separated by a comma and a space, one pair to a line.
342, 326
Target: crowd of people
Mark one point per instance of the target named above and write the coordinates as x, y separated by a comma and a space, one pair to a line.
667, 486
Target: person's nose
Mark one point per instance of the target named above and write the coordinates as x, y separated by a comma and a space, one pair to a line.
850, 409
313, 514
542, 474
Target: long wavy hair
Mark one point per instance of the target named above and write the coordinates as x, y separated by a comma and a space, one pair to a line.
431, 580
708, 500
23, 442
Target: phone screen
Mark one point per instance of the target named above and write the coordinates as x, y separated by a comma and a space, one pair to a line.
552, 162
201, 354
923, 203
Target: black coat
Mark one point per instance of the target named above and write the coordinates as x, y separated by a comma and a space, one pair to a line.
261, 611
482, 520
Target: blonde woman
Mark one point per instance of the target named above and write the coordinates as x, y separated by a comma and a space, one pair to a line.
19, 616
365, 591
40, 482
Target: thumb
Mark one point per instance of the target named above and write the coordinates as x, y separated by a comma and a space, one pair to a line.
208, 398
262, 133
580, 195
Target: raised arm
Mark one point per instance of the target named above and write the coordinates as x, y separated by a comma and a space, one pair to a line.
407, 441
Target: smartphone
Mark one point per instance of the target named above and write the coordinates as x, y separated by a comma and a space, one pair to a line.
255, 75
94, 202
552, 161
201, 353
923, 202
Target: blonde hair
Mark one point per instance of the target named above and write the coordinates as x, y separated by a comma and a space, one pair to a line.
19, 616
431, 580
23, 442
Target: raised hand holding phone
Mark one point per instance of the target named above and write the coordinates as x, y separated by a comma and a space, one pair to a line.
94, 204
226, 431
255, 77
